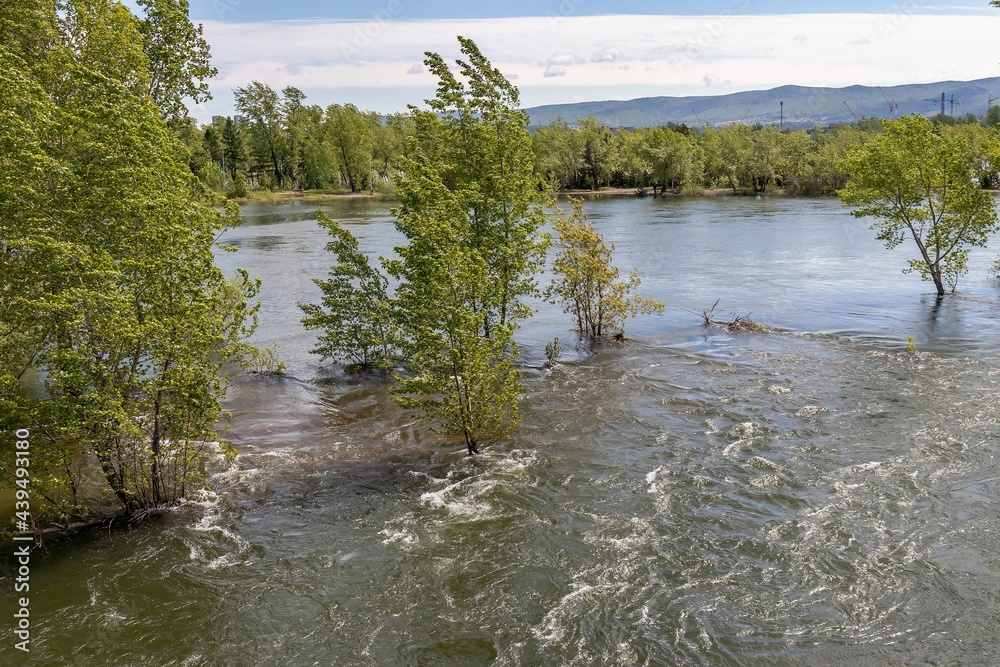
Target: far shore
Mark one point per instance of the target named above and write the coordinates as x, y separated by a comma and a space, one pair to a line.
266, 197
263, 196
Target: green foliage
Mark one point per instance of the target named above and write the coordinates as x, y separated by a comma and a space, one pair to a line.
470, 211
674, 157
179, 59
552, 351
558, 155
233, 149
992, 118
291, 143
586, 282
456, 376
261, 360
600, 154
661, 157
918, 181
237, 187
356, 314
265, 109
118, 318
475, 136
352, 135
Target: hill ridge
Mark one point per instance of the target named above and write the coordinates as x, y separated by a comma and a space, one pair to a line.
804, 106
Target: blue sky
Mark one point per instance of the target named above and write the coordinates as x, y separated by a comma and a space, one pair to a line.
369, 52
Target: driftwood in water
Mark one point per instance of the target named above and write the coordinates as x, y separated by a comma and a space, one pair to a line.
739, 323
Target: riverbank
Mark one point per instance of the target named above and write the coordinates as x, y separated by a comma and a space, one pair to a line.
310, 196
279, 196
648, 192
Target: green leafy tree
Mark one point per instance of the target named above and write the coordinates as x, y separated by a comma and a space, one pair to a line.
119, 317
351, 133
984, 156
992, 118
389, 145
635, 161
600, 159
263, 106
586, 282
356, 314
458, 378
673, 156
917, 182
727, 152
211, 140
233, 148
179, 57
559, 156
476, 135
831, 146
471, 212
314, 165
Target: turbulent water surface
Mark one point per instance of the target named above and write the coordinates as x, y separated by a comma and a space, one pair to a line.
817, 495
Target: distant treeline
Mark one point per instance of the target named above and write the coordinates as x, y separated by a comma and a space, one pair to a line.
278, 142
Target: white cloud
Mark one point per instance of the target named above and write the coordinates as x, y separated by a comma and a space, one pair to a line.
671, 55
563, 59
609, 55
416, 69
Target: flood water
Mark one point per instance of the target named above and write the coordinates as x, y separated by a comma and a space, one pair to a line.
817, 495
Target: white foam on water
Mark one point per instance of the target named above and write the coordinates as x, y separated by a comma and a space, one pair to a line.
746, 430
651, 479
552, 628
398, 537
225, 560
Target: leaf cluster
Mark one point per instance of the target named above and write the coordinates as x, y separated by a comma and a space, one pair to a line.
587, 283
118, 318
919, 181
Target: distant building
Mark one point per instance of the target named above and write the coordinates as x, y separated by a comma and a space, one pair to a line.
219, 120
240, 118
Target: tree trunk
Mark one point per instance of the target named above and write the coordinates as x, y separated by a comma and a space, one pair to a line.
938, 282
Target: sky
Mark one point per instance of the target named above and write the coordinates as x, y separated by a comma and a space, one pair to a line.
370, 52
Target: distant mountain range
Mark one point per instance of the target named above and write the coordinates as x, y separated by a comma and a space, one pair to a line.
804, 106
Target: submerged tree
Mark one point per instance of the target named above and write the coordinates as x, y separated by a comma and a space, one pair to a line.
107, 273
587, 282
457, 377
356, 315
921, 183
470, 211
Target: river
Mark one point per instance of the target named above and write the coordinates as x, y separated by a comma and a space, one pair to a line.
816, 495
